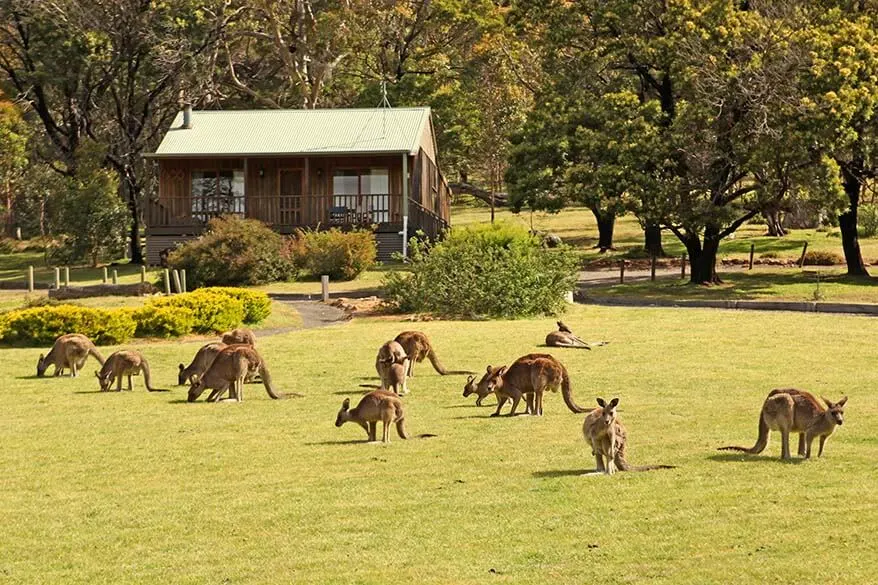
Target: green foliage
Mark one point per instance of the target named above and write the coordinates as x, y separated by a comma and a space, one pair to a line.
493, 271
41, 325
233, 252
341, 255
822, 258
211, 311
159, 321
868, 219
257, 305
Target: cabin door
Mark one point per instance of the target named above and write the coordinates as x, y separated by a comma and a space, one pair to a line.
290, 197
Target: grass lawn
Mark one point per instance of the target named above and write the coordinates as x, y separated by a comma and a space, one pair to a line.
145, 488
13, 267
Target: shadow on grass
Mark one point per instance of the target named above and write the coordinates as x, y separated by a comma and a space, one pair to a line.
96, 392
560, 472
744, 457
346, 442
35, 377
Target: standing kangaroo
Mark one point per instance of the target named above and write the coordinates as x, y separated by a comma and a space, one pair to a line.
417, 346
795, 411
124, 363
373, 407
68, 351
531, 374
391, 365
472, 387
608, 438
227, 372
200, 362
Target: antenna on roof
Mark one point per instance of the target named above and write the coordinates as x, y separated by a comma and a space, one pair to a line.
385, 103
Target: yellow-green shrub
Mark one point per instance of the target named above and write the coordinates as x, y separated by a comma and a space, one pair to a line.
341, 255
257, 305
41, 325
211, 311
153, 321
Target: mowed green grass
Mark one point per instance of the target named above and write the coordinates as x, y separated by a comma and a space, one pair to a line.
145, 488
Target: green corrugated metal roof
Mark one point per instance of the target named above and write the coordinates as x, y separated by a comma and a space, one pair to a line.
276, 132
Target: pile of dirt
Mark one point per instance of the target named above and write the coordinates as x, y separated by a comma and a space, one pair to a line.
364, 307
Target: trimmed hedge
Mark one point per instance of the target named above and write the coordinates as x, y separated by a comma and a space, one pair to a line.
211, 311
257, 305
155, 321
41, 325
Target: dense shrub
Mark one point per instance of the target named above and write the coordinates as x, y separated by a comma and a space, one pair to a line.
41, 325
341, 255
494, 271
822, 258
153, 321
868, 220
234, 251
211, 311
257, 305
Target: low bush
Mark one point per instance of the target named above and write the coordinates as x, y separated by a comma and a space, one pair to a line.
153, 321
234, 252
497, 271
257, 305
341, 255
822, 258
41, 325
767, 255
211, 311
867, 219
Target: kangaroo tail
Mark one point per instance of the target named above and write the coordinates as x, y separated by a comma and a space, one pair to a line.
400, 422
144, 366
761, 440
266, 381
567, 392
94, 351
437, 365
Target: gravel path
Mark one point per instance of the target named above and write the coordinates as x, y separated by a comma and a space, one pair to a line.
314, 314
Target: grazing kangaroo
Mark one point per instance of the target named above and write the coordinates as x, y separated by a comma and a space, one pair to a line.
124, 363
227, 372
200, 362
795, 411
68, 351
531, 374
239, 336
417, 346
373, 407
608, 438
391, 365
472, 387
564, 337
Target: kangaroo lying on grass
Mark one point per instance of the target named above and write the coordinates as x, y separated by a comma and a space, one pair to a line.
227, 372
124, 363
379, 405
564, 337
239, 336
531, 374
605, 433
472, 387
416, 346
795, 411
68, 351
391, 365
200, 362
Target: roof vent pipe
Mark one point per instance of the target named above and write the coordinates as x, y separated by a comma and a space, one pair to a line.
187, 116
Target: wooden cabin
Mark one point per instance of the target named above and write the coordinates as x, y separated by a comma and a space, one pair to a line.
373, 168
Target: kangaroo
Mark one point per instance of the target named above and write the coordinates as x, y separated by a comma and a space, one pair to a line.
227, 372
68, 351
239, 336
124, 363
533, 374
375, 406
608, 438
789, 410
417, 347
564, 337
200, 362
472, 387
391, 365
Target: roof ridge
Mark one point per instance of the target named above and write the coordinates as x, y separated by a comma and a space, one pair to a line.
304, 110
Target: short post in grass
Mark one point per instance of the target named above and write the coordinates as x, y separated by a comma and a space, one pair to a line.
106, 279
177, 281
683, 266
183, 278
30, 279
621, 272
67, 276
752, 250
18, 233
167, 282
57, 278
324, 287
652, 268
802, 259
115, 276
142, 274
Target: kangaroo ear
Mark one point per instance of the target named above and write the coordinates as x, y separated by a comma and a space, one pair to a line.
42, 357
490, 369
601, 402
842, 401
501, 371
346, 404
181, 367
98, 376
470, 379
614, 402
829, 403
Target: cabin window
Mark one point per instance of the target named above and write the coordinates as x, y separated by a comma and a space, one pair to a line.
361, 195
215, 193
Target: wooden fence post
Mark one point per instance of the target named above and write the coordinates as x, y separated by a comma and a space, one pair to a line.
802, 259
167, 281
752, 250
683, 266
115, 276
18, 233
30, 279
621, 272
324, 287
142, 274
652, 268
183, 278
67, 276
106, 279
177, 281
57, 278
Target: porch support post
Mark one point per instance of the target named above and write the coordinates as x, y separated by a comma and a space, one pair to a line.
246, 187
405, 205
306, 201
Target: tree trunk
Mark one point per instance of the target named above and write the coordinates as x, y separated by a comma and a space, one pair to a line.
133, 199
774, 222
653, 240
847, 221
702, 257
606, 224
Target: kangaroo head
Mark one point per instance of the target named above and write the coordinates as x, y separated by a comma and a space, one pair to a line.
196, 390
104, 381
343, 414
835, 410
41, 365
494, 378
608, 410
470, 387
